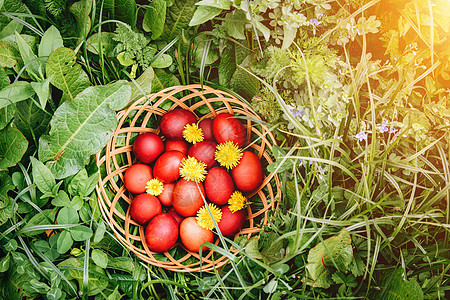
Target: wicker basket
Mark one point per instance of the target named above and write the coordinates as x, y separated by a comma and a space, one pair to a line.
114, 199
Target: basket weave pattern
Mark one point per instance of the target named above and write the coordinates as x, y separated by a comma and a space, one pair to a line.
140, 117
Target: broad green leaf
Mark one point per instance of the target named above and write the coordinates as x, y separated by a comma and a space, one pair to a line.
34, 65
13, 146
144, 85
37, 286
81, 184
42, 176
154, 18
72, 140
163, 80
99, 233
289, 34
223, 4
263, 29
6, 115
163, 61
100, 258
396, 288
243, 83
234, 24
4, 79
115, 295
47, 217
6, 185
252, 249
177, 18
320, 275
42, 89
97, 280
81, 11
76, 203
8, 57
271, 286
21, 90
11, 6
4, 263
12, 27
54, 294
122, 10
12, 285
199, 47
30, 119
11, 245
66, 74
67, 215
64, 242
51, 40
227, 65
105, 39
121, 263
80, 233
125, 60
203, 14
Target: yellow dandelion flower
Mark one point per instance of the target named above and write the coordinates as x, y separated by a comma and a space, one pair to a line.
237, 201
228, 154
154, 187
192, 133
204, 219
192, 169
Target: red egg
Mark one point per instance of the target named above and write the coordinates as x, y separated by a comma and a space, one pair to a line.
176, 145
147, 147
161, 233
248, 174
187, 198
193, 236
231, 223
175, 215
206, 125
204, 151
227, 128
144, 207
166, 196
167, 166
172, 123
218, 185
136, 177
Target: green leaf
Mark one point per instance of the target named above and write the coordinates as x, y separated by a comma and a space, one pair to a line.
64, 242
163, 80
105, 39
80, 233
81, 184
289, 34
13, 146
223, 4
72, 140
30, 119
11, 245
6, 185
252, 249
4, 263
203, 14
234, 24
20, 91
115, 295
12, 27
62, 199
54, 294
97, 280
6, 115
42, 89
47, 217
121, 263
66, 74
42, 176
76, 203
34, 66
154, 18
319, 274
100, 258
99, 233
125, 60
51, 40
162, 61
8, 57
122, 10
271, 286
81, 11
67, 215
243, 83
177, 18
227, 65
396, 288
11, 6
144, 85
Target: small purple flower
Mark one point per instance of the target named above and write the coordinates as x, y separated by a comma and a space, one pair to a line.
319, 16
321, 170
361, 136
383, 127
393, 130
310, 163
315, 22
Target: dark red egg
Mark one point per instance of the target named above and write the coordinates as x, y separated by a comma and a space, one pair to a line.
175, 215
187, 198
206, 125
248, 174
144, 207
231, 223
193, 236
166, 196
227, 128
173, 122
218, 185
147, 147
136, 177
161, 233
167, 166
204, 151
176, 145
